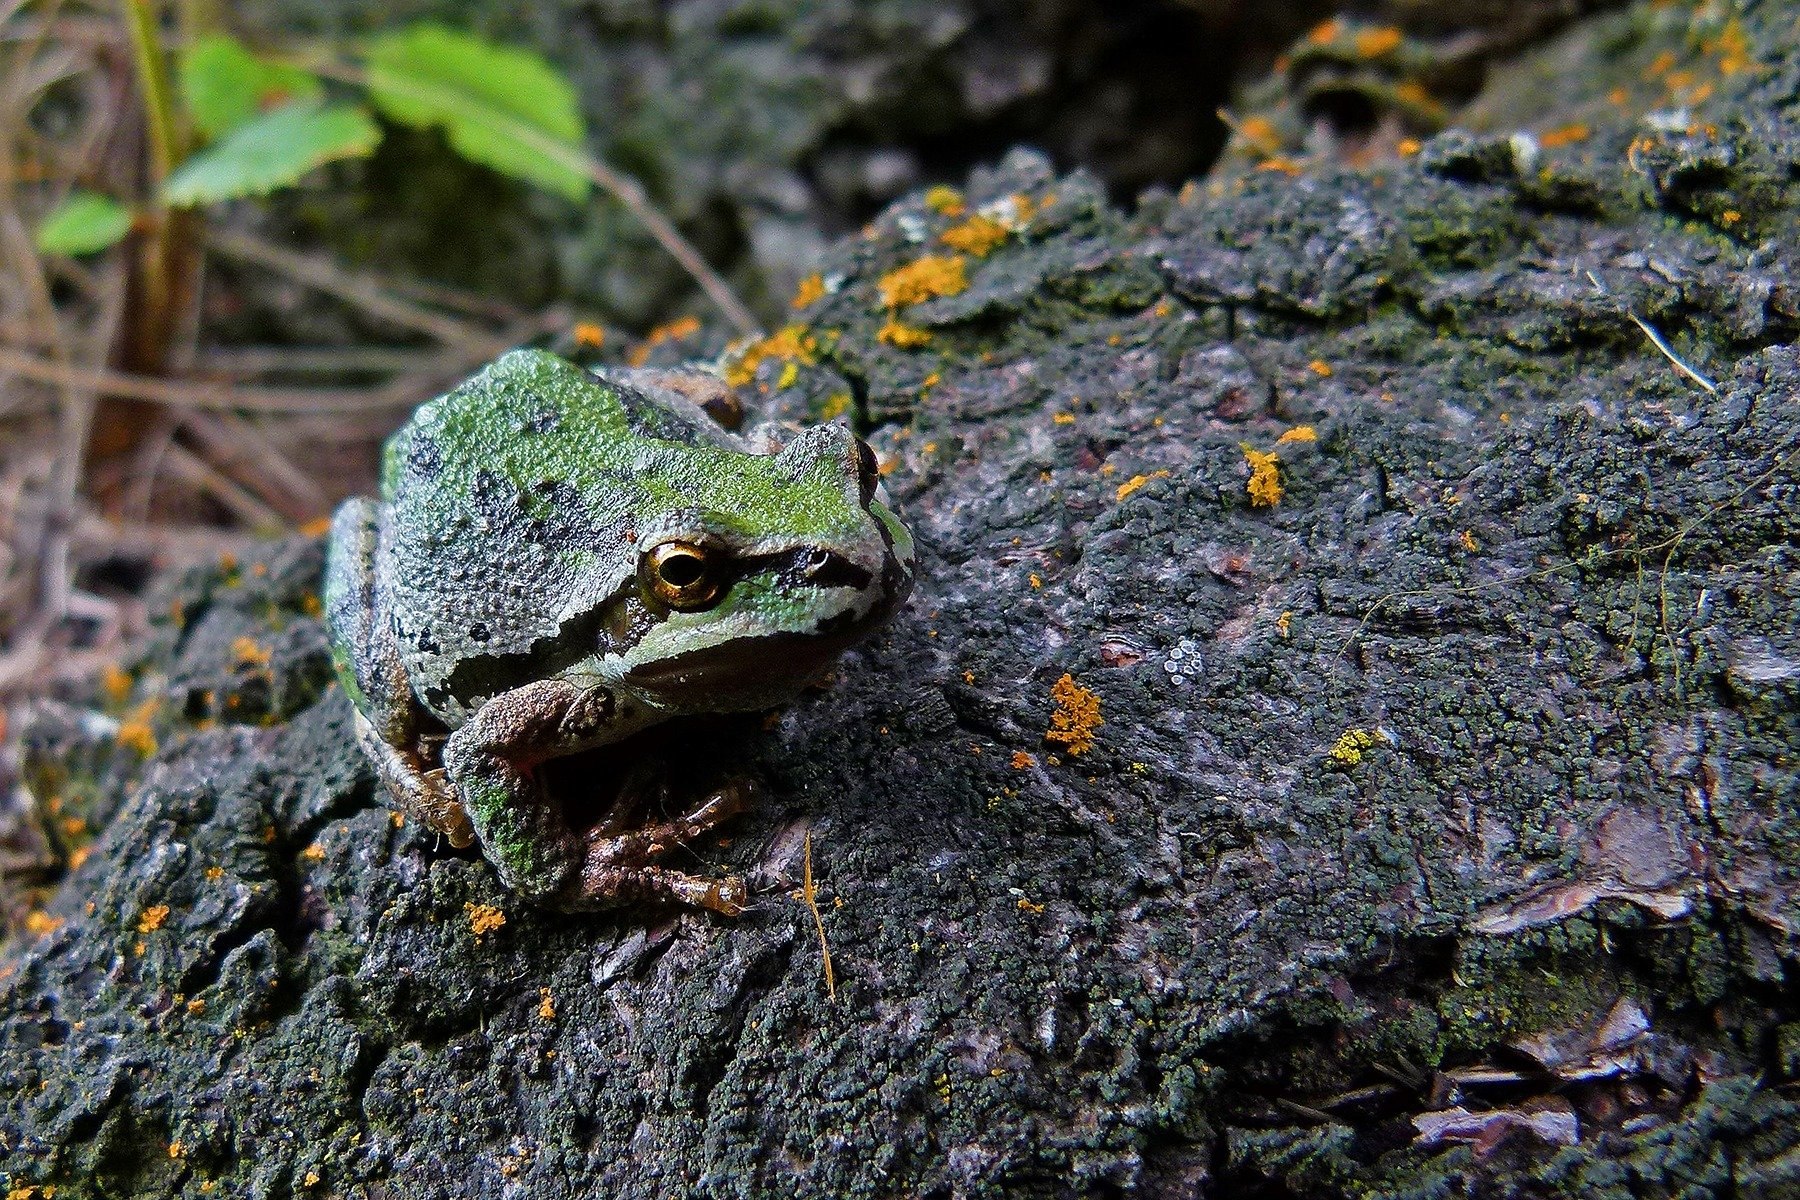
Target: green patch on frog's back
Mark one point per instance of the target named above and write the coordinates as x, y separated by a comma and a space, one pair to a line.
541, 424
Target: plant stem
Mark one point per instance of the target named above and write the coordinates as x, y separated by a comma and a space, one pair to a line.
153, 78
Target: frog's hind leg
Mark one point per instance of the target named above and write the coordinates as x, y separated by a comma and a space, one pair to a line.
390, 724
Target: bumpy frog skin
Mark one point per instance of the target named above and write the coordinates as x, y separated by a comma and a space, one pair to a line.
559, 560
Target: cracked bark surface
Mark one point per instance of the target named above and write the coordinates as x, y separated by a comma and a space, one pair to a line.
1463, 777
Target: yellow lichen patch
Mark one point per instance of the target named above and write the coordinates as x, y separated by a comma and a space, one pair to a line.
152, 918
1035, 580
836, 405
924, 279
317, 527
1734, 48
1373, 43
1137, 481
134, 730
245, 652
196, 1006
1351, 748
483, 918
945, 200
115, 681
79, 855
1326, 32
1076, 717
1299, 433
311, 604
1026, 906
214, 874
793, 344
900, 336
1730, 217
671, 331
1265, 477
1468, 541
1320, 367
977, 236
1062, 418
314, 853
1286, 166
1408, 147
546, 1009
38, 922
590, 335
1022, 761
1284, 622
808, 292
1564, 135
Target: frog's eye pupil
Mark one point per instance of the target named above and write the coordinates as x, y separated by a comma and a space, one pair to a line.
682, 570
681, 575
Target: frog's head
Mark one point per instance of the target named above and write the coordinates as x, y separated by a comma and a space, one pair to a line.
762, 570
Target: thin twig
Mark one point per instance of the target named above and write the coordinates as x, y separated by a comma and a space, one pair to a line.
345, 285
1656, 339
213, 396
809, 896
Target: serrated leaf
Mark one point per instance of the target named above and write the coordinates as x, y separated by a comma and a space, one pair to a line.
499, 105
272, 151
82, 224
225, 85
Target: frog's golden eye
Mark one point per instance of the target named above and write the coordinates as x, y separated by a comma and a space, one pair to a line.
682, 575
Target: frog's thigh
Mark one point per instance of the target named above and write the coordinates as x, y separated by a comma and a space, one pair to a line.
490, 761
389, 717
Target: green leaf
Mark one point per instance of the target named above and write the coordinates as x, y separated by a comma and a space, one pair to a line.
225, 85
500, 106
272, 151
82, 224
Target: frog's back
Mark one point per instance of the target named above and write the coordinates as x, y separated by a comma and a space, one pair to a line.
509, 512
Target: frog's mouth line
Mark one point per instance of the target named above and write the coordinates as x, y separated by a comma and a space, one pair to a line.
747, 673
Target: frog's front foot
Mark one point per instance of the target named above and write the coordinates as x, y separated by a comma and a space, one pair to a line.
619, 866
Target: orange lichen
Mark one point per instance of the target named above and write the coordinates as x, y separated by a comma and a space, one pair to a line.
903, 337
245, 652
134, 730
1035, 580
1299, 433
1260, 133
1286, 166
1265, 477
1284, 622
1373, 43
1022, 761
793, 345
835, 405
977, 236
1407, 147
546, 1010
483, 918
1062, 418
115, 681
39, 922
1326, 32
1565, 135
1137, 481
1468, 541
670, 331
1026, 906
152, 918
590, 335
924, 279
313, 853
317, 527
1076, 717
809, 291
945, 200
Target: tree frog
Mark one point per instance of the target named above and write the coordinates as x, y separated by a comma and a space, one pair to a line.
560, 559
